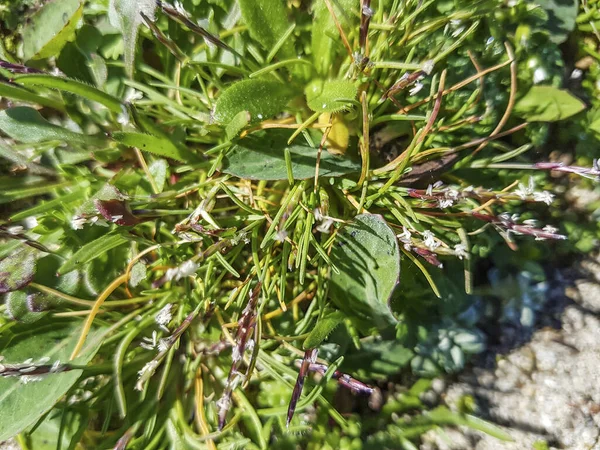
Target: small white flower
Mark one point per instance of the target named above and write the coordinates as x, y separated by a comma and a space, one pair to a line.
235, 354
43, 360
429, 240
318, 214
460, 250
576, 74
525, 191
27, 369
416, 88
77, 222
116, 218
550, 229
146, 371
250, 345
543, 196
28, 361
186, 269
30, 222
539, 75
458, 31
95, 220
223, 404
164, 316
133, 95
163, 344
405, 235
149, 343
55, 367
25, 379
429, 190
123, 117
367, 11
530, 222
446, 203
325, 225
17, 229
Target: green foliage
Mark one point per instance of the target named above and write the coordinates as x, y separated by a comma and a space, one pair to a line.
257, 179
24, 401
330, 96
367, 256
51, 28
261, 156
260, 99
548, 104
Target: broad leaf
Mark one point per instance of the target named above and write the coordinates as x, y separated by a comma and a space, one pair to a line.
325, 35
330, 96
368, 258
17, 270
262, 99
126, 15
62, 426
22, 404
28, 126
153, 144
92, 250
261, 156
267, 23
51, 28
561, 18
548, 104
322, 329
22, 307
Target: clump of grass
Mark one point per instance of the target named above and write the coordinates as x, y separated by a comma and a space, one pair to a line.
266, 189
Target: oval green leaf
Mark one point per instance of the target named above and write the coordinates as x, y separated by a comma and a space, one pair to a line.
17, 270
261, 156
51, 28
267, 22
262, 99
368, 258
330, 96
23, 404
548, 104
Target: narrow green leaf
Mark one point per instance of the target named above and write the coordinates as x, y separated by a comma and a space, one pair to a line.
17, 93
27, 125
267, 22
92, 250
322, 329
72, 86
367, 255
153, 144
48, 30
262, 99
261, 156
548, 104
126, 15
330, 96
443, 416
23, 404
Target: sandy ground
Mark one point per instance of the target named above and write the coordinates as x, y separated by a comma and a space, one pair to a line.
547, 390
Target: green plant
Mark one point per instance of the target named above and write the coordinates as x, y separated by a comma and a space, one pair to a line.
243, 191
